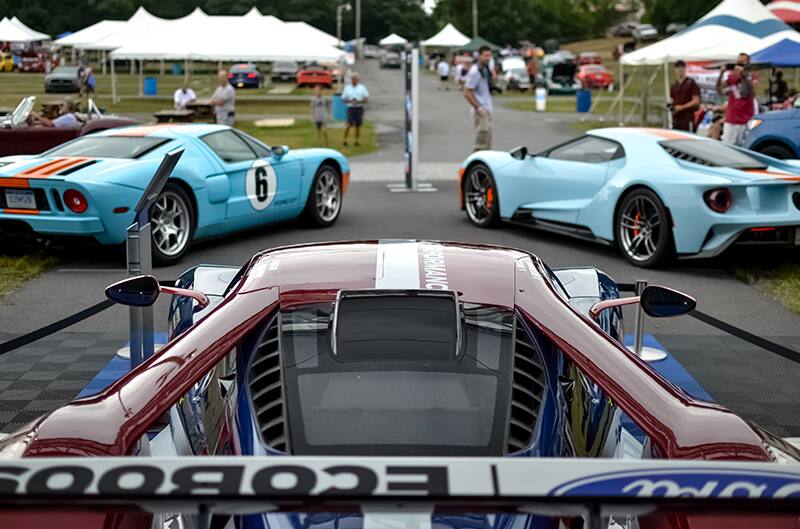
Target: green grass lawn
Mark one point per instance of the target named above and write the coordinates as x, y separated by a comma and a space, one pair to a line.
780, 282
16, 270
303, 134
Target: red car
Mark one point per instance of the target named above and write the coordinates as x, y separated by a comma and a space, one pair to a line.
594, 76
391, 348
589, 57
314, 75
37, 61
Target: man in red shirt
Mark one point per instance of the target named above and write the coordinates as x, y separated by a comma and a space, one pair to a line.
737, 83
685, 96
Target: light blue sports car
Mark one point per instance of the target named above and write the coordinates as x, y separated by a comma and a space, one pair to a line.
655, 193
225, 181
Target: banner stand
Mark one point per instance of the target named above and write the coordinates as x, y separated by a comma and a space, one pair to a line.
411, 105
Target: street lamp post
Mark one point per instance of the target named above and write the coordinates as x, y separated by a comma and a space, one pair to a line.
346, 7
474, 18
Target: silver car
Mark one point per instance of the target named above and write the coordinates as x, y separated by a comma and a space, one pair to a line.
62, 79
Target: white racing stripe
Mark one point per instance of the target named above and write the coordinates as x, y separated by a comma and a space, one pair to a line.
397, 265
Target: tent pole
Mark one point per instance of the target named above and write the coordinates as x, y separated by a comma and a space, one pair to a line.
141, 78
161, 67
666, 95
621, 93
113, 83
103, 58
186, 70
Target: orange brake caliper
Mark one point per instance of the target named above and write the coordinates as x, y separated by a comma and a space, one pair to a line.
489, 196
636, 218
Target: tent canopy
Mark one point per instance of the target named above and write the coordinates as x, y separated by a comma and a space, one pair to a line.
13, 30
733, 27
786, 10
91, 34
476, 44
785, 53
393, 40
448, 37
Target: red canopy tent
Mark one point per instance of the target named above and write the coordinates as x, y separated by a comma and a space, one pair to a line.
786, 10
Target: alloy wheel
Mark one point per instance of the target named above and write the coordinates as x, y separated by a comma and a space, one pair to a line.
640, 228
480, 196
328, 195
170, 223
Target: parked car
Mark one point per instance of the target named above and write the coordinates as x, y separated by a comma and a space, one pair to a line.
775, 133
560, 78
226, 181
18, 137
589, 57
656, 194
245, 76
314, 75
623, 29
63, 79
39, 60
390, 59
285, 71
675, 27
513, 75
594, 76
645, 32
371, 51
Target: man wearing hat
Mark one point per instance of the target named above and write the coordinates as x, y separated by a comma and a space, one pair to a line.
685, 96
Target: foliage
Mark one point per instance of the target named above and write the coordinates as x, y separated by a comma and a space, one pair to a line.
16, 270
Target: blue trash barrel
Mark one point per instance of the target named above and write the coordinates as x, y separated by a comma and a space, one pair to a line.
150, 86
339, 108
177, 68
583, 100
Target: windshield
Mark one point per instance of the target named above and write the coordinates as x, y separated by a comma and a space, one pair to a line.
66, 70
284, 66
712, 153
412, 402
593, 68
519, 71
108, 146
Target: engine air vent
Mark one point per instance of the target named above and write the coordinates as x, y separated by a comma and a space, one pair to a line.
527, 390
686, 157
266, 389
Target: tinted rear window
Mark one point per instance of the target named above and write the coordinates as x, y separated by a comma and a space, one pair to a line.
242, 68
108, 146
712, 153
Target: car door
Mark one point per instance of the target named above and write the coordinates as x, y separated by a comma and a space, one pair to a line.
264, 187
564, 179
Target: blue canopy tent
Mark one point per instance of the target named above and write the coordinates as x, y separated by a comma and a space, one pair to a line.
783, 54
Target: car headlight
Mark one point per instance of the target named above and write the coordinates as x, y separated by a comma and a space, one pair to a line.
753, 123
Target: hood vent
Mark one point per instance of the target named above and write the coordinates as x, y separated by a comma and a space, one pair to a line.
527, 391
76, 168
266, 389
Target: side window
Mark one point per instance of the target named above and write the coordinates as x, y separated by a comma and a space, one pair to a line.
229, 147
588, 149
261, 150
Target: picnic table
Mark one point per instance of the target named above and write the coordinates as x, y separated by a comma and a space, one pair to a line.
174, 116
202, 109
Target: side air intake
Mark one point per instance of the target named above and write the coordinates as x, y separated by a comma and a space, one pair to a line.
266, 388
527, 390
686, 157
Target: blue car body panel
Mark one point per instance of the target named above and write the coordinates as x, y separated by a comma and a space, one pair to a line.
779, 127
222, 192
576, 417
583, 195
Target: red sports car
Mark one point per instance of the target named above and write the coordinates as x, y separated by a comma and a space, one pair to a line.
393, 348
315, 75
594, 76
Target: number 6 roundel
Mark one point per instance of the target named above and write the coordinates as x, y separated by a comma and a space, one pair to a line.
261, 184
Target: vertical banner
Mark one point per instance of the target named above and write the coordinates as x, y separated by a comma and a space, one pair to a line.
411, 102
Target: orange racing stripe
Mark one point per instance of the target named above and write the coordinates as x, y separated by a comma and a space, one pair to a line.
778, 176
143, 130
52, 167
20, 211
14, 182
666, 133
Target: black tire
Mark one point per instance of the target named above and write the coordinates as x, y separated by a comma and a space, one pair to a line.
778, 151
324, 203
172, 227
480, 196
643, 230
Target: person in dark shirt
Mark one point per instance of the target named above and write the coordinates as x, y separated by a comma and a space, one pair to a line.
685, 96
779, 88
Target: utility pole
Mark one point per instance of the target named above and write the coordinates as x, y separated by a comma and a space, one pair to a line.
474, 18
358, 28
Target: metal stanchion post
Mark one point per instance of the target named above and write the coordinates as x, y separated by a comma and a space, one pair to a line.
648, 354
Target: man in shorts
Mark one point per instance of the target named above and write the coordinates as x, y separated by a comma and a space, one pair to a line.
320, 109
444, 74
356, 96
478, 93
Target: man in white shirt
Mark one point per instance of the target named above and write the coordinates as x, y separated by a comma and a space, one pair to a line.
183, 96
356, 96
66, 117
224, 99
444, 74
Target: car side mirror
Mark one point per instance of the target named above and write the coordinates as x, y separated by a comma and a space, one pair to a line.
519, 153
663, 302
279, 151
138, 291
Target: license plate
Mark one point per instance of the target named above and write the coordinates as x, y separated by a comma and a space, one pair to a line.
20, 199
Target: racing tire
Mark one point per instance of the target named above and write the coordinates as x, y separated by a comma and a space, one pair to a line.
778, 151
643, 230
172, 223
480, 197
324, 203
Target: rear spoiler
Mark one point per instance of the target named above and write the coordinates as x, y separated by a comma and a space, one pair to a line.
553, 486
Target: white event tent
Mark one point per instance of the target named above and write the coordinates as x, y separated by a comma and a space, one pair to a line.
91, 34
393, 40
732, 27
448, 37
13, 30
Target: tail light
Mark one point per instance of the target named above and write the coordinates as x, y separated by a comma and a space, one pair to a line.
251, 75
719, 200
75, 201
230, 76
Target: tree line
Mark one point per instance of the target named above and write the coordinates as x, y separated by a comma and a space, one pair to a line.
500, 21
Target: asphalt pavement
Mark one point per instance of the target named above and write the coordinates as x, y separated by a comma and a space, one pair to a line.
739, 375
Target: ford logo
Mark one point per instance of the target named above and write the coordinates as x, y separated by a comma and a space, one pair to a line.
684, 483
